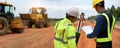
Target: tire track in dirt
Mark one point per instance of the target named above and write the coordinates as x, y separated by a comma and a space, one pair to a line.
30, 38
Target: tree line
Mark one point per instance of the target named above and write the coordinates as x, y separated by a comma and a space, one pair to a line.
115, 11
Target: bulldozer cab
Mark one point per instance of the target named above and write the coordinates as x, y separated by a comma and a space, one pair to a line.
39, 10
6, 9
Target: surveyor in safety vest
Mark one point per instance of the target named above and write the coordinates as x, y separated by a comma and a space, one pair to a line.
65, 33
104, 26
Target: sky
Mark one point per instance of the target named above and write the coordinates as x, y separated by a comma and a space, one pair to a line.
58, 8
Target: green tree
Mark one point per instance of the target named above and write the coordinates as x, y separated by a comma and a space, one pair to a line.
118, 13
92, 18
108, 9
114, 11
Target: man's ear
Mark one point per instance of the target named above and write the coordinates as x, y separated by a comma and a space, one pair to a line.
70, 18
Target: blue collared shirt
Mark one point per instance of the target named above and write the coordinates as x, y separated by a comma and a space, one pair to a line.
100, 26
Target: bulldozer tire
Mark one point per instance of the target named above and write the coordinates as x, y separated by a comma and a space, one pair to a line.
17, 30
39, 24
47, 24
27, 23
4, 25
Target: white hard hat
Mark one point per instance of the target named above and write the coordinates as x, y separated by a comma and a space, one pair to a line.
73, 11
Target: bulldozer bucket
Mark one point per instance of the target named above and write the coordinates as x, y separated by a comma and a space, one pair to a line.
25, 16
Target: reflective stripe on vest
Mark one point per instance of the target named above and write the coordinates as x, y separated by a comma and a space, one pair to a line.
62, 39
71, 37
109, 30
59, 39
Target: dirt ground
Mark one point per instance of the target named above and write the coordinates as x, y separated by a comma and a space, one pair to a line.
85, 42
30, 38
43, 38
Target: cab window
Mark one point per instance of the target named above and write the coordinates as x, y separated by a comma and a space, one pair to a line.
8, 9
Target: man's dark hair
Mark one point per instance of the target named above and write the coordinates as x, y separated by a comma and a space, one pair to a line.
101, 4
68, 16
82, 13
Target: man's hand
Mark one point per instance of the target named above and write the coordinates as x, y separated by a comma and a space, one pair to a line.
87, 29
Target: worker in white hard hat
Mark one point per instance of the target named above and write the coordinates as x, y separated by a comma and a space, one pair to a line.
104, 25
65, 33
82, 18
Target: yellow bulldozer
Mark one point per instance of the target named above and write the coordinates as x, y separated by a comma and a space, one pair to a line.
37, 16
7, 20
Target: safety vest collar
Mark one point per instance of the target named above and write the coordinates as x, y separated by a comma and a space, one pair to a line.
67, 20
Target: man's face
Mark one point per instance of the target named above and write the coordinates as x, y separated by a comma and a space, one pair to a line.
73, 19
97, 8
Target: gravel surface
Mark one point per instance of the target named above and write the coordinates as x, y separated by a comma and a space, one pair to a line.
43, 38
30, 38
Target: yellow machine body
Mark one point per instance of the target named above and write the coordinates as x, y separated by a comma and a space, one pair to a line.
17, 23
